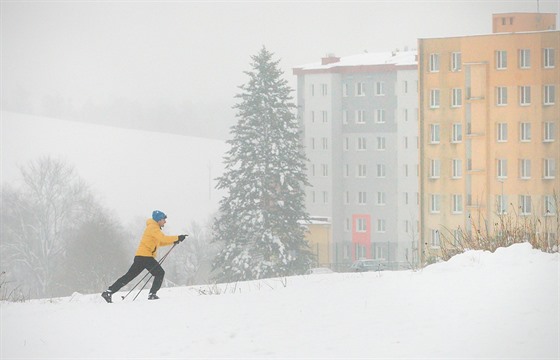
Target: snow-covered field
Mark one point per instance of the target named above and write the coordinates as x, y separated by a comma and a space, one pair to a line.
478, 305
132, 172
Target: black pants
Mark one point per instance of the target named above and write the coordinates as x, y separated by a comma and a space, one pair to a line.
140, 263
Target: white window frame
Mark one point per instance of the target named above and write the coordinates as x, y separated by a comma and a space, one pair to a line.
360, 89
435, 168
361, 225
524, 58
501, 96
549, 205
501, 59
361, 171
525, 206
501, 132
456, 168
501, 204
345, 117
435, 203
549, 94
380, 88
380, 198
325, 143
435, 241
435, 134
381, 225
525, 95
325, 115
381, 143
549, 168
501, 169
381, 170
362, 198
456, 97
456, 204
434, 99
525, 169
548, 131
325, 170
457, 133
456, 63
360, 116
525, 132
434, 63
380, 116
549, 60
345, 90
361, 144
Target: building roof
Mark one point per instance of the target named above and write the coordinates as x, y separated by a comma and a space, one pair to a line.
391, 58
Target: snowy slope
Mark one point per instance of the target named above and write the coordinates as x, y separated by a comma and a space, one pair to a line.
133, 172
478, 305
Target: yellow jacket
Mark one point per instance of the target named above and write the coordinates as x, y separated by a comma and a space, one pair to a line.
152, 238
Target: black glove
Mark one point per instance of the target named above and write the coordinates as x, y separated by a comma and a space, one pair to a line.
181, 238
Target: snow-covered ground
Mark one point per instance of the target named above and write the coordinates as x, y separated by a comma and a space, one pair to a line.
478, 305
132, 172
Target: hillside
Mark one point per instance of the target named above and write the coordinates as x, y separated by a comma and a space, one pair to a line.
478, 305
131, 171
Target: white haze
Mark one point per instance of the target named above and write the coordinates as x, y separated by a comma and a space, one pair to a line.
131, 172
176, 65
478, 305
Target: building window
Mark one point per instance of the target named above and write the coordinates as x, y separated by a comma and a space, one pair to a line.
381, 225
434, 240
325, 169
548, 58
360, 116
346, 170
312, 116
325, 143
524, 95
380, 198
525, 204
434, 63
347, 197
362, 145
435, 203
549, 205
456, 97
360, 89
346, 143
524, 169
345, 90
456, 168
312, 89
456, 203
549, 168
549, 95
381, 171
380, 116
434, 134
381, 143
501, 132
325, 116
501, 168
525, 132
362, 197
435, 168
501, 204
548, 132
345, 117
524, 58
501, 96
457, 133
324, 89
455, 61
434, 98
325, 197
501, 59
380, 88
361, 225
362, 170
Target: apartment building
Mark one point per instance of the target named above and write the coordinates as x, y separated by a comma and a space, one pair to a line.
359, 121
489, 119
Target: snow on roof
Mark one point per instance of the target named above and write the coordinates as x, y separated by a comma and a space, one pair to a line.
398, 58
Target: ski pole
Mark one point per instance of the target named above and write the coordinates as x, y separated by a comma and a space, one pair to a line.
148, 273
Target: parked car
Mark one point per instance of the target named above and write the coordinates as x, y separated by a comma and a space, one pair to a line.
320, 270
367, 265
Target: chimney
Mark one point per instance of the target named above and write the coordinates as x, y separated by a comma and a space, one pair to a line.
329, 59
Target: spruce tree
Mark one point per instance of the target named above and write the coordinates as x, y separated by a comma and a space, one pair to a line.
260, 219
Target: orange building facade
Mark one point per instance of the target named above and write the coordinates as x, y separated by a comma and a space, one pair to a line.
489, 120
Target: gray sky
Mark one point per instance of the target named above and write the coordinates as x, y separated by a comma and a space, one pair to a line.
190, 56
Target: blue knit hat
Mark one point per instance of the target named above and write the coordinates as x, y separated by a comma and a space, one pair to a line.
158, 215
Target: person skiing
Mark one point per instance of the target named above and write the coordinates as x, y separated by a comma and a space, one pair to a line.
145, 257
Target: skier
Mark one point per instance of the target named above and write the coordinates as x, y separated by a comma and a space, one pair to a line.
145, 257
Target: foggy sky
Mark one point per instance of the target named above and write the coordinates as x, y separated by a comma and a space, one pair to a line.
186, 59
